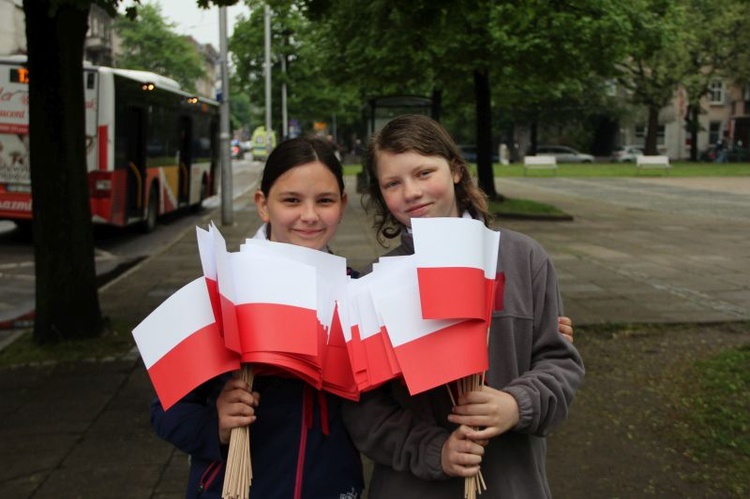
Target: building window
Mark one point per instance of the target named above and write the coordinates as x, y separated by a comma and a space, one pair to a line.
640, 134
714, 132
716, 92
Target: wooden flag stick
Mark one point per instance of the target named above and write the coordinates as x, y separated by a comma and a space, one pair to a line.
239, 472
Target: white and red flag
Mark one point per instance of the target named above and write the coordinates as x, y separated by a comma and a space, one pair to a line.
181, 345
275, 305
372, 356
456, 261
330, 288
207, 253
430, 352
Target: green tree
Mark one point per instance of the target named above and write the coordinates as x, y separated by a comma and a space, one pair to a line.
150, 43
312, 95
67, 303
540, 50
657, 62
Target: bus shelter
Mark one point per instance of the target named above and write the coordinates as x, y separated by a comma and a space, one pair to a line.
380, 110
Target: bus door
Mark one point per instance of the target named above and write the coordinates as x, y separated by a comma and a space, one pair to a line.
136, 157
185, 160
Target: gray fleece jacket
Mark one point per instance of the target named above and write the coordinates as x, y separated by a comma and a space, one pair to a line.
404, 435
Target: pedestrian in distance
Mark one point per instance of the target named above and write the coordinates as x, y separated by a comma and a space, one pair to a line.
300, 448
722, 150
423, 446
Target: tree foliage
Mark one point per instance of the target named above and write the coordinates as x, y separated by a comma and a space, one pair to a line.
311, 94
518, 53
150, 43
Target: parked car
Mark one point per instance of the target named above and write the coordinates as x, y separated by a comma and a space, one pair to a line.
564, 154
626, 154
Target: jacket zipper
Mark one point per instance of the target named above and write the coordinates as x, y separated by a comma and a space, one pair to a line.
208, 476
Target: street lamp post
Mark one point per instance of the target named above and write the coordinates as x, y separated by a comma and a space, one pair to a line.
267, 19
227, 209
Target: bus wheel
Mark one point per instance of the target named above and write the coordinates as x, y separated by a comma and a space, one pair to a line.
149, 223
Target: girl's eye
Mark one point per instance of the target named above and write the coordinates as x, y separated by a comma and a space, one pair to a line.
326, 200
389, 185
290, 200
424, 173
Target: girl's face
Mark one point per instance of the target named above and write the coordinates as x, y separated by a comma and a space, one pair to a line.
304, 206
416, 186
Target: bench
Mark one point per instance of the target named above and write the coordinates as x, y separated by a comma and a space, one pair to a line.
643, 161
539, 163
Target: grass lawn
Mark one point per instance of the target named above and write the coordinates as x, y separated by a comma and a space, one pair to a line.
629, 170
684, 169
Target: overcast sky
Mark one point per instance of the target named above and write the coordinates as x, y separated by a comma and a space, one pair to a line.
202, 24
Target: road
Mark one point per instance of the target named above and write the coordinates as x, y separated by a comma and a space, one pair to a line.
681, 242
115, 249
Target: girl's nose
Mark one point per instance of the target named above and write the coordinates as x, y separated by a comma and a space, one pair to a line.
309, 213
412, 190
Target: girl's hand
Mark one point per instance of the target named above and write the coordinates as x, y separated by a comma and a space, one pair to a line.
490, 411
461, 456
236, 407
565, 326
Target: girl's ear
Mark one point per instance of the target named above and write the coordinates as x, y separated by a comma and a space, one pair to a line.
457, 171
261, 204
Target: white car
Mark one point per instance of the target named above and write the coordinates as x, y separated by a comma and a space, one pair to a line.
564, 154
626, 154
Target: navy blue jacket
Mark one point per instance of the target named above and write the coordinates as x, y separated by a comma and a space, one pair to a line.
298, 444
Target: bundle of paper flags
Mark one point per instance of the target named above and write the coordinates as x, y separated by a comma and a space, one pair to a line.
422, 317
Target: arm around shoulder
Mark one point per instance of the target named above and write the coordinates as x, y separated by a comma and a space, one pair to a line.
394, 436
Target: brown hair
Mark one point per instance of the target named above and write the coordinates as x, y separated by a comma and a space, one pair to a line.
425, 136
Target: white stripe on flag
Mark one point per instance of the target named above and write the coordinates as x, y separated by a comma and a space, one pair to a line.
259, 279
206, 252
188, 310
330, 270
449, 242
401, 310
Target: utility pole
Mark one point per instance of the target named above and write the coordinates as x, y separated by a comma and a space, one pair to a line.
284, 117
267, 18
227, 208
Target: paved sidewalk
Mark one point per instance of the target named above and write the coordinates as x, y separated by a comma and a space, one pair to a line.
82, 430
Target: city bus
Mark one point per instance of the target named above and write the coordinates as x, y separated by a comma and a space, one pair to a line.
151, 148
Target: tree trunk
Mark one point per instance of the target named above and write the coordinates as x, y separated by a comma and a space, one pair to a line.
437, 103
484, 133
67, 304
652, 131
534, 135
693, 125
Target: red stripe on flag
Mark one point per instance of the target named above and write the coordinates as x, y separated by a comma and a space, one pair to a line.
444, 356
338, 377
213, 295
194, 360
358, 359
452, 293
271, 327
380, 359
303, 367
229, 324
